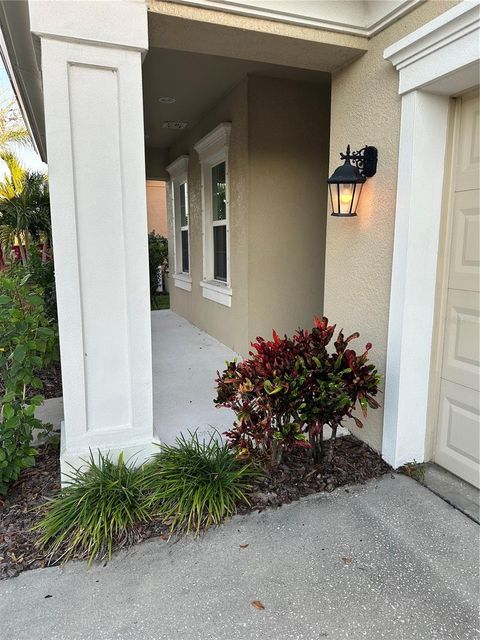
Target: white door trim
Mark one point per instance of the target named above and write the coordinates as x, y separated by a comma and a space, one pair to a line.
436, 61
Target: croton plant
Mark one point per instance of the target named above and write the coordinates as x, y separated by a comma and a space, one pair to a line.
289, 388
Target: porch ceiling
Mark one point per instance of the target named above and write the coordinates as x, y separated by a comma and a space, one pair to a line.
197, 82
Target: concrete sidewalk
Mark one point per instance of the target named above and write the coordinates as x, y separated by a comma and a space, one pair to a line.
386, 560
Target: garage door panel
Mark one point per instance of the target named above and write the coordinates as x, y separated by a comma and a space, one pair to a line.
461, 356
458, 418
458, 437
464, 272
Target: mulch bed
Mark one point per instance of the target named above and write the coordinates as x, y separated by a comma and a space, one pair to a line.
20, 510
353, 462
52, 383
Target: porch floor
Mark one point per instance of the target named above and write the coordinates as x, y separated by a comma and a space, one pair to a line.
185, 362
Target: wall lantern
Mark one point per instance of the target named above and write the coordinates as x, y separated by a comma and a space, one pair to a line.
346, 181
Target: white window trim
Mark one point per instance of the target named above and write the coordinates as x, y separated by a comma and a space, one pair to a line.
435, 62
178, 171
213, 149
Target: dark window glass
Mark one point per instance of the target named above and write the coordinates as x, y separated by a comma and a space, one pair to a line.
220, 253
219, 205
183, 206
185, 263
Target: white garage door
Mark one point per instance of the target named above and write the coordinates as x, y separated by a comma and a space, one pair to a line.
458, 422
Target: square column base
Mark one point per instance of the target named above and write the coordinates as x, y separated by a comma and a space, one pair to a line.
137, 452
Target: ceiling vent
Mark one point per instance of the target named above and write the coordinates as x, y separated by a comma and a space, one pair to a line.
174, 124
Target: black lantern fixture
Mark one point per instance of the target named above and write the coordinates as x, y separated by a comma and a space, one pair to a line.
346, 181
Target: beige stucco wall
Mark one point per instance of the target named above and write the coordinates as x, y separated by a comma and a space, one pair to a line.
229, 325
278, 166
157, 207
366, 110
288, 137
185, 27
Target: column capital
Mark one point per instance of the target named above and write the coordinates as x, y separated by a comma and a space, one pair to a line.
122, 23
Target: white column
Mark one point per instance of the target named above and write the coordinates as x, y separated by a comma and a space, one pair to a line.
423, 135
91, 66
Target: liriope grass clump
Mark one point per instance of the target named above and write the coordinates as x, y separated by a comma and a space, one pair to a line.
188, 486
197, 483
95, 511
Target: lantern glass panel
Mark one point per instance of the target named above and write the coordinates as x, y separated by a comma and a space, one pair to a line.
345, 197
346, 193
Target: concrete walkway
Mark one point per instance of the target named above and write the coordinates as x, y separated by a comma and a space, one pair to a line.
185, 363
387, 560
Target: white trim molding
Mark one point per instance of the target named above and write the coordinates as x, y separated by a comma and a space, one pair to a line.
443, 46
178, 171
182, 281
435, 62
217, 292
353, 18
212, 149
214, 142
178, 167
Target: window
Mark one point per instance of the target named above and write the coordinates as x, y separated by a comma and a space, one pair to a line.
219, 222
213, 153
185, 259
179, 211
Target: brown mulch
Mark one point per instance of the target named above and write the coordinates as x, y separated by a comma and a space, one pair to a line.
52, 383
353, 462
20, 510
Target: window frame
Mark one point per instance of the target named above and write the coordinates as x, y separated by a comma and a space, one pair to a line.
178, 171
213, 150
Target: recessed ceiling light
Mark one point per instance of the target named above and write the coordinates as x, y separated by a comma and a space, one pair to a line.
167, 100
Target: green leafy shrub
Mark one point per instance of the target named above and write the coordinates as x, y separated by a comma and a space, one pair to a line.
157, 258
27, 344
194, 484
290, 388
42, 274
96, 510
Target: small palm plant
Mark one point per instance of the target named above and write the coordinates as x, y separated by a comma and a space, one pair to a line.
12, 128
24, 209
194, 484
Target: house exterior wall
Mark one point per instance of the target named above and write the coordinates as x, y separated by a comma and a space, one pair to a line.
278, 167
228, 325
366, 110
157, 207
288, 140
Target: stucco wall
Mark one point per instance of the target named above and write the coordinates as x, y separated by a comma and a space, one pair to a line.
278, 167
366, 110
157, 207
229, 325
288, 142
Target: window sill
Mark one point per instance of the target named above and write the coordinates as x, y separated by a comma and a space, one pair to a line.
183, 281
217, 292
